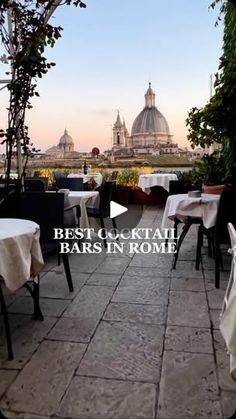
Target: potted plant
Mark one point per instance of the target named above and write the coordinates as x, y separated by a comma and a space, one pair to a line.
123, 187
208, 173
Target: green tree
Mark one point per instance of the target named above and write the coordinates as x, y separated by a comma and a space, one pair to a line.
25, 33
216, 122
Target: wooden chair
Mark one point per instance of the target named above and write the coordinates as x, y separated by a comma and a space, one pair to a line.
219, 234
36, 183
232, 278
103, 211
228, 318
47, 210
72, 183
177, 187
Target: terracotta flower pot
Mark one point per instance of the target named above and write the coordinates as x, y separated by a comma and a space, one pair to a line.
214, 189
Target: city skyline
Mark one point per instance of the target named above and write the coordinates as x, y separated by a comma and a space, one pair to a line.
105, 59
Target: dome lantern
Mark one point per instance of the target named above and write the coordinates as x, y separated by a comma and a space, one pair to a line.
150, 97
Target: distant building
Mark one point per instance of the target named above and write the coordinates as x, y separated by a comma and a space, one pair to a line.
197, 152
150, 132
64, 149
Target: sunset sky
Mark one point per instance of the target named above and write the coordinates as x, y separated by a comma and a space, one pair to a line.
107, 55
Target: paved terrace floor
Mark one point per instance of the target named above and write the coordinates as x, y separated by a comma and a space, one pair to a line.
135, 340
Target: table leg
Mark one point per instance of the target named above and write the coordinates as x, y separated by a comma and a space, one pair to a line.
7, 326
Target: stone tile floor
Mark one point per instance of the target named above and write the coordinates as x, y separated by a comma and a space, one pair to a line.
135, 340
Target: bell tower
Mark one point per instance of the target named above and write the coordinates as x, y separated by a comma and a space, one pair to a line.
118, 133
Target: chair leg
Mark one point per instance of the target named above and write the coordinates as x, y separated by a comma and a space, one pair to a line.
7, 326
114, 226
209, 244
185, 230
217, 266
37, 311
65, 260
35, 296
176, 223
221, 262
103, 235
167, 239
199, 246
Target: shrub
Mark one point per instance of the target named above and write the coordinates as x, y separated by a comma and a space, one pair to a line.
128, 178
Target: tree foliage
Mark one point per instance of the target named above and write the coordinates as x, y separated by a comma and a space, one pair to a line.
216, 121
25, 32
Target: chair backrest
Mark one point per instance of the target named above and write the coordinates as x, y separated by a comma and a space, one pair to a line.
114, 175
46, 209
106, 193
69, 214
226, 214
232, 277
178, 187
36, 184
72, 183
8, 197
232, 234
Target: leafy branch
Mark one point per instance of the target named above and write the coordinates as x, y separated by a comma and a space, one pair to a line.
25, 32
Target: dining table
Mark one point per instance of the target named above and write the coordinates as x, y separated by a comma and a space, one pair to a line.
189, 210
84, 199
183, 206
87, 177
146, 182
20, 252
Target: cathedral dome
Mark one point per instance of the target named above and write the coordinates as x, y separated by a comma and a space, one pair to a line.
150, 121
66, 139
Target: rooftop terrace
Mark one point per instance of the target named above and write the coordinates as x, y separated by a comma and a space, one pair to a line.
134, 341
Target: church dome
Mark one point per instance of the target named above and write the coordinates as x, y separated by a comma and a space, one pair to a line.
66, 139
150, 120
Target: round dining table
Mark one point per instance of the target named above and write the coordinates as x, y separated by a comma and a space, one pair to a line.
84, 199
146, 182
20, 251
182, 206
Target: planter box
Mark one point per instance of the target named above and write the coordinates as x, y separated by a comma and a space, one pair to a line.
138, 197
214, 189
122, 196
158, 196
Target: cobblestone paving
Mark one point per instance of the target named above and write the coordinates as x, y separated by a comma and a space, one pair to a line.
135, 340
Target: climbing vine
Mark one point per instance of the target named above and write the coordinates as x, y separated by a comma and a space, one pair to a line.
216, 121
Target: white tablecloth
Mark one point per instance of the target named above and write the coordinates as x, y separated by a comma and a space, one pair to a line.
20, 251
156, 179
84, 198
228, 317
12, 176
96, 176
182, 206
